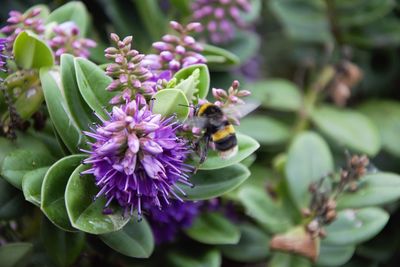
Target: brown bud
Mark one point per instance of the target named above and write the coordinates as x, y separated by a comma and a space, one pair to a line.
322, 233
313, 226
330, 216
297, 241
306, 212
331, 204
350, 74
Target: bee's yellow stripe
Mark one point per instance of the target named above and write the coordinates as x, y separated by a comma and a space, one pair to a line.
203, 108
221, 134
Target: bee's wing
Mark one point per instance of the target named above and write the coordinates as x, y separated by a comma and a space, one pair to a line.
198, 122
241, 110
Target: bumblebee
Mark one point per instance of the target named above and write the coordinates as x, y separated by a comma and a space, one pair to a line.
217, 129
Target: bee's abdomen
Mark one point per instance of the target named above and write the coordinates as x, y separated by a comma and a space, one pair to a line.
225, 138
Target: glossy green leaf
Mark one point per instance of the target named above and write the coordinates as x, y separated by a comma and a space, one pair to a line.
73, 11
77, 106
355, 226
134, 240
64, 123
168, 102
247, 146
209, 258
309, 159
19, 162
374, 189
386, 116
92, 83
266, 130
203, 78
85, 213
29, 101
63, 247
32, 185
30, 52
277, 94
15, 254
213, 229
252, 246
11, 201
265, 211
287, 260
210, 184
53, 190
219, 58
334, 255
348, 128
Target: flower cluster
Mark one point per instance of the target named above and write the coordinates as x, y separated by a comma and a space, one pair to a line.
230, 99
65, 37
19, 22
68, 40
3, 57
166, 223
221, 17
128, 71
137, 157
176, 51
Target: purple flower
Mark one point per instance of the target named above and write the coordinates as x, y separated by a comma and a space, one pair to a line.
67, 40
129, 74
18, 22
3, 57
137, 158
176, 51
167, 223
221, 17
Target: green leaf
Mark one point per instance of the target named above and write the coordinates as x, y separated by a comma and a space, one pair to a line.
44, 10
134, 240
85, 213
385, 114
65, 125
303, 20
151, 15
247, 146
252, 246
213, 229
169, 102
287, 260
374, 189
77, 106
19, 162
277, 94
15, 254
355, 226
209, 258
367, 11
30, 52
219, 58
53, 190
245, 45
73, 11
92, 83
267, 213
266, 130
210, 184
11, 201
203, 79
334, 255
63, 247
348, 128
32, 185
309, 159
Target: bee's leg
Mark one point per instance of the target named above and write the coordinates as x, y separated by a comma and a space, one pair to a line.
204, 151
